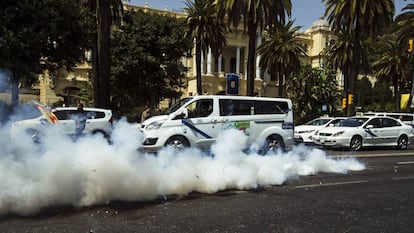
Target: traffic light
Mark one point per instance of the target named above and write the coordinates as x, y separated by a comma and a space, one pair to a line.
350, 98
343, 103
410, 46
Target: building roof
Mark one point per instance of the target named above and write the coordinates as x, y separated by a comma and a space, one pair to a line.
321, 23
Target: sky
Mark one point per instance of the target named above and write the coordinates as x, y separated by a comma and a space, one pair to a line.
304, 11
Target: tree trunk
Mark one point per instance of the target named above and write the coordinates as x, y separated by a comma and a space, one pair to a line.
355, 67
95, 72
396, 93
280, 78
198, 66
104, 53
14, 90
251, 57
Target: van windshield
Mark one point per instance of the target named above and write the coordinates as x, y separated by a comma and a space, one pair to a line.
177, 105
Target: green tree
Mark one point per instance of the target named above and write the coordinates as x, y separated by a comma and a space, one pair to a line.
146, 55
39, 35
358, 17
404, 30
340, 56
255, 16
206, 26
309, 90
364, 97
381, 98
405, 24
282, 52
391, 66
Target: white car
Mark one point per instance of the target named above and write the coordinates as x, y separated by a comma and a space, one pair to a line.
407, 118
98, 121
303, 133
365, 131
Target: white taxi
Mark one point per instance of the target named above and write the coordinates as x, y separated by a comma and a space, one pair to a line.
303, 133
365, 131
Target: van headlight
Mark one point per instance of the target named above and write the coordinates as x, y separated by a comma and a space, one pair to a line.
154, 125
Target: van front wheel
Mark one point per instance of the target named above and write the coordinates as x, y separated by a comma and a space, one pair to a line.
274, 143
177, 142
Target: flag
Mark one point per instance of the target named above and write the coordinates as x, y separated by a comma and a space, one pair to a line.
404, 101
46, 112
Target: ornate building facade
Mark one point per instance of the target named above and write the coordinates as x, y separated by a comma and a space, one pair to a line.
67, 87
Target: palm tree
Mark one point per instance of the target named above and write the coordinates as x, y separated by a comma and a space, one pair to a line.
357, 17
255, 15
107, 12
404, 30
207, 28
340, 55
282, 52
392, 64
405, 23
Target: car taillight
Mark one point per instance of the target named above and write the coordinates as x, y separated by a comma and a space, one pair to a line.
111, 120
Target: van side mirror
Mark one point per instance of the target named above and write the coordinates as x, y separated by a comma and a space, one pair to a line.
182, 115
185, 113
369, 127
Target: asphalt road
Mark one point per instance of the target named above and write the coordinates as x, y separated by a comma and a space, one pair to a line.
377, 199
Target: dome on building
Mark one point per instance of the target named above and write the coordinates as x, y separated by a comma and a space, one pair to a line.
321, 23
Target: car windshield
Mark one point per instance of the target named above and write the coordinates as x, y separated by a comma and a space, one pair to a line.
177, 105
318, 121
352, 122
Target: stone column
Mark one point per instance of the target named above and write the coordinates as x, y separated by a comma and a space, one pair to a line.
259, 42
238, 60
209, 61
219, 68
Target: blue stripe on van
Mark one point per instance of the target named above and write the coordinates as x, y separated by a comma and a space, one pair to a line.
191, 126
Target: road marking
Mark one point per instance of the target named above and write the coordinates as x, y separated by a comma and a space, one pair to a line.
404, 178
405, 163
355, 155
331, 184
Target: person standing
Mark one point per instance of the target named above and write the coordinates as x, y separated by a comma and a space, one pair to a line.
146, 113
80, 120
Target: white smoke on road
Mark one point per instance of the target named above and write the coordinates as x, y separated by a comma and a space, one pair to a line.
89, 171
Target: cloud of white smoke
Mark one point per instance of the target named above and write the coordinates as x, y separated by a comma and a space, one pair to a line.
89, 171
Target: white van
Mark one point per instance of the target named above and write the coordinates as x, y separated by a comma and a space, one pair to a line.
197, 120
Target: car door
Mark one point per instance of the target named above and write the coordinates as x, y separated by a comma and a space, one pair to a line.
373, 132
66, 123
390, 130
201, 122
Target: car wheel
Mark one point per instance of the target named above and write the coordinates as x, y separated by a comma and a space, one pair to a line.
274, 143
402, 142
177, 142
356, 143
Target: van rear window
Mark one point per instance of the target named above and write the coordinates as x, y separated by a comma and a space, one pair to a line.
229, 107
271, 107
